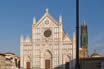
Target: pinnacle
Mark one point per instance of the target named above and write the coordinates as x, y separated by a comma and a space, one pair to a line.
34, 20
60, 19
84, 22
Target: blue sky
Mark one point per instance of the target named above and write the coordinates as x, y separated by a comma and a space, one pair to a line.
16, 18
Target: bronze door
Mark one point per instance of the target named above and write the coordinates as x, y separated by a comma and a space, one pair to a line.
47, 64
67, 66
28, 65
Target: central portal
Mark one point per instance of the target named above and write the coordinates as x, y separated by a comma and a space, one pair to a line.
28, 65
47, 60
47, 64
67, 65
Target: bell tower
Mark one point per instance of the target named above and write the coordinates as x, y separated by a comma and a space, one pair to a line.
84, 36
84, 41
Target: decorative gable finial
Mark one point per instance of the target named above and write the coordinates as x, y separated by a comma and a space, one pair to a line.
46, 10
34, 20
60, 19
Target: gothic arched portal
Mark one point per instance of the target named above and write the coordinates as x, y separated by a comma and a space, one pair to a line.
27, 63
66, 62
46, 61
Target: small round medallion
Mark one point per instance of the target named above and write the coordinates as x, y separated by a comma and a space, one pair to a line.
47, 22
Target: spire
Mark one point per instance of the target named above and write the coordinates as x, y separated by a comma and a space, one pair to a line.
73, 35
22, 38
46, 10
84, 22
60, 19
34, 20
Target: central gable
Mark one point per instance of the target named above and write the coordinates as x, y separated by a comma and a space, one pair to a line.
47, 20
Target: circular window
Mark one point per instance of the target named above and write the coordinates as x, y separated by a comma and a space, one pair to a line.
47, 33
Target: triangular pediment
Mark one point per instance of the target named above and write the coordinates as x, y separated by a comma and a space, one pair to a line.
47, 16
66, 37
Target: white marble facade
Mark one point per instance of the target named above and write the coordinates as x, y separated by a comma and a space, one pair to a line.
49, 42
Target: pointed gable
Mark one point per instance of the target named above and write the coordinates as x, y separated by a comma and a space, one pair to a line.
28, 39
65, 37
47, 15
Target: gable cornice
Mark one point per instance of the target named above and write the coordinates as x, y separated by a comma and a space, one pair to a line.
49, 16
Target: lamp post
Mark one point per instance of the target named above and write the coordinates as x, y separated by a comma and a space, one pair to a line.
77, 66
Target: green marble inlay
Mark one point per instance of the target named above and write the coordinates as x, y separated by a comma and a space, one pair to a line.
84, 40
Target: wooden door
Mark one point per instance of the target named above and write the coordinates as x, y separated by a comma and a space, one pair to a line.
67, 65
47, 64
27, 65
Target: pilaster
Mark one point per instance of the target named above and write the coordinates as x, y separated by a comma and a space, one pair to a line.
21, 50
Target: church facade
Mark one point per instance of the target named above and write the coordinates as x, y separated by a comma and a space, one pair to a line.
49, 48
